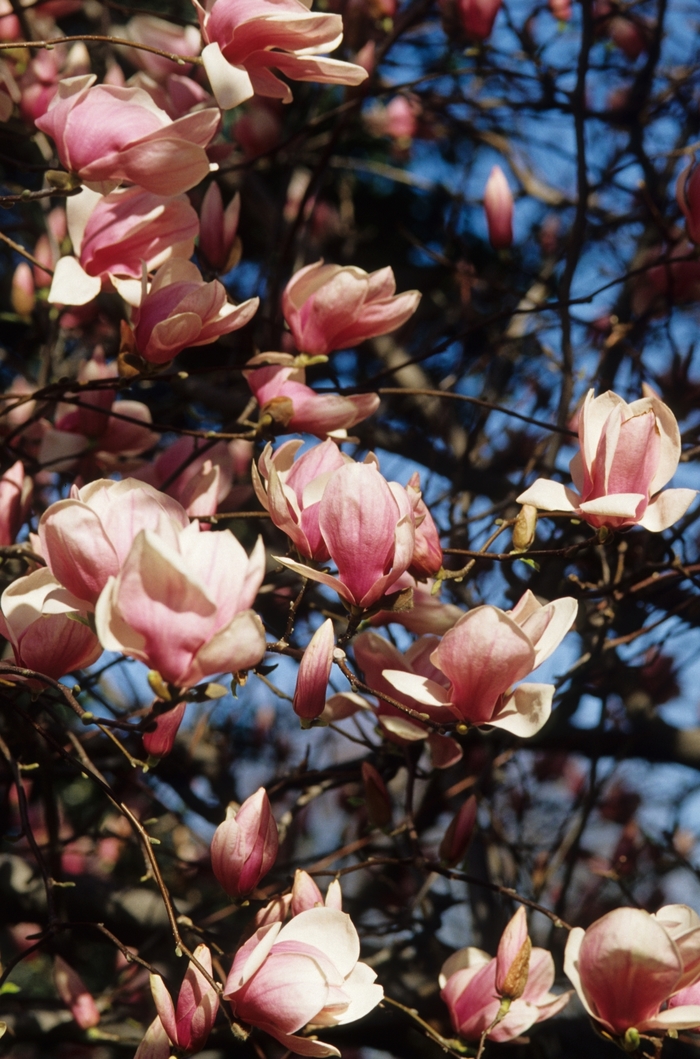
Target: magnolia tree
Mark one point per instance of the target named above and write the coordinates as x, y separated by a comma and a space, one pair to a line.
348, 528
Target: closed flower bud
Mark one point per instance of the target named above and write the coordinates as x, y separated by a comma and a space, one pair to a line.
525, 528
74, 994
456, 839
218, 244
244, 847
314, 671
498, 206
22, 293
513, 958
376, 796
159, 739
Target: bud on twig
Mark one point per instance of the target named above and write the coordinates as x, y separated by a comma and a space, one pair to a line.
376, 796
458, 835
525, 528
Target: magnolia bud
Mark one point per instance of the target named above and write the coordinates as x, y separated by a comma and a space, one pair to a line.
513, 958
376, 796
498, 206
160, 739
456, 839
22, 293
74, 994
218, 227
314, 671
525, 528
305, 893
244, 847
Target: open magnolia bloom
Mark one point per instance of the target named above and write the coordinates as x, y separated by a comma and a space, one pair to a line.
628, 452
303, 974
628, 964
247, 39
487, 652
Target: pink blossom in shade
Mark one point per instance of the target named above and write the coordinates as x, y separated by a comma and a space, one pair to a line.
198, 482
455, 841
468, 987
22, 296
477, 17
374, 655
288, 404
86, 538
247, 39
331, 307
188, 1025
303, 974
107, 135
181, 310
177, 96
314, 673
628, 964
39, 82
306, 894
159, 33
688, 997
161, 731
113, 234
15, 497
292, 491
561, 9
427, 553
498, 206
427, 615
181, 603
217, 229
367, 525
155, 1043
484, 655
628, 452
46, 626
674, 282
259, 129
74, 994
245, 845
688, 195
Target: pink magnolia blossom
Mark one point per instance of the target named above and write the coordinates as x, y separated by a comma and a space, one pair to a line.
303, 974
627, 964
512, 957
561, 9
427, 552
498, 206
478, 16
15, 497
469, 984
159, 33
46, 627
259, 128
181, 603
86, 538
314, 673
177, 96
74, 994
674, 282
39, 82
332, 307
159, 737
368, 528
218, 242
374, 655
484, 655
107, 135
426, 615
455, 841
155, 1043
198, 482
306, 894
688, 997
688, 195
181, 310
113, 234
87, 437
244, 846
292, 406
248, 39
628, 452
187, 1027
294, 491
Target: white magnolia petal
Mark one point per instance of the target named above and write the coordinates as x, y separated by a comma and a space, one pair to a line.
231, 85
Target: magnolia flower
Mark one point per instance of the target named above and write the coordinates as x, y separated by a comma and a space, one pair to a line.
477, 17
180, 310
47, 626
426, 615
244, 846
498, 206
247, 39
188, 1026
86, 538
628, 964
291, 406
159, 33
314, 673
488, 651
455, 841
474, 985
368, 528
306, 894
628, 452
218, 241
15, 497
74, 994
303, 974
113, 234
329, 307
181, 603
105, 135
198, 482
294, 489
